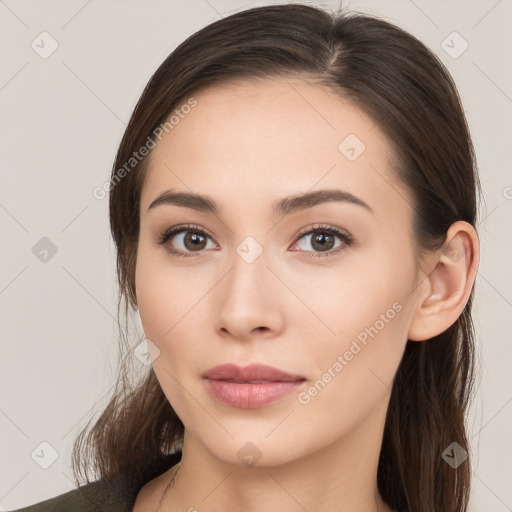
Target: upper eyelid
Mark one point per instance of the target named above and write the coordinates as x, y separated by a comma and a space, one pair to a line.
196, 227
320, 226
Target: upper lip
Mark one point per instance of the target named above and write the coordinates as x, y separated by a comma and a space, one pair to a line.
251, 372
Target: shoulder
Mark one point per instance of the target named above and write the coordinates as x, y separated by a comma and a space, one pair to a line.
95, 496
109, 495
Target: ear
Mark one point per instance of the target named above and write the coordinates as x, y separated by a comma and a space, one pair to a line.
445, 290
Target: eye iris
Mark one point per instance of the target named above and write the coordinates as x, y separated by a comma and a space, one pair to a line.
323, 240
196, 240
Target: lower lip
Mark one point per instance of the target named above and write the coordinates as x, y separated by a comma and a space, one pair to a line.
250, 396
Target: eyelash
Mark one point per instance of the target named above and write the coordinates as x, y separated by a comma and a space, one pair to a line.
347, 239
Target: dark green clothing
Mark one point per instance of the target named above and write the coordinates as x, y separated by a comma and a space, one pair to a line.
118, 495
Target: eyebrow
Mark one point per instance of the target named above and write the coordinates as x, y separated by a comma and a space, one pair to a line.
285, 206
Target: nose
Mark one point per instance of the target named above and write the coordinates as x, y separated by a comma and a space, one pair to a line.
250, 301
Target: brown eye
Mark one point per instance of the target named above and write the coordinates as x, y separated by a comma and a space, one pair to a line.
184, 240
323, 240
194, 241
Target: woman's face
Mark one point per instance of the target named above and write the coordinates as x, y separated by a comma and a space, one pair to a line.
258, 286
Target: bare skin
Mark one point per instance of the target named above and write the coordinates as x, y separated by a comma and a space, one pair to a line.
246, 146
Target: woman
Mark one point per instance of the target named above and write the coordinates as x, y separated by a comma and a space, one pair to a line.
294, 207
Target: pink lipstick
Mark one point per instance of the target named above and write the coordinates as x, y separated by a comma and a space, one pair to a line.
250, 387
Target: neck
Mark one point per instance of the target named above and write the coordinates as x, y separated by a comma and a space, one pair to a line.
341, 475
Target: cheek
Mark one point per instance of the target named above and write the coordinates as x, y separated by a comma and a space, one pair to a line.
171, 306
364, 317
354, 371
357, 303
163, 293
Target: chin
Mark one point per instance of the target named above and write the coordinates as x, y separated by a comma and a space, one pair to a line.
257, 449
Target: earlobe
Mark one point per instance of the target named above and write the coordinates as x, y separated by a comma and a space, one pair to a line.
448, 285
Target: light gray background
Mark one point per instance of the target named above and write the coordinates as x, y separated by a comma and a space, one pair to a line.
61, 121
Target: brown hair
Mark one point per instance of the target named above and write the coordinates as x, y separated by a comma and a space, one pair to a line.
408, 92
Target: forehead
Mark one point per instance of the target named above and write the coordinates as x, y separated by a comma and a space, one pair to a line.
272, 138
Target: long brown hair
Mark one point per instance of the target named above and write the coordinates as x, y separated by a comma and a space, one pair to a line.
408, 92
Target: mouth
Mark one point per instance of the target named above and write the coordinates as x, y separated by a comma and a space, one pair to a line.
250, 387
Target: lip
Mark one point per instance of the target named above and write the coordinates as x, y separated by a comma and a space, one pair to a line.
234, 385
250, 372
